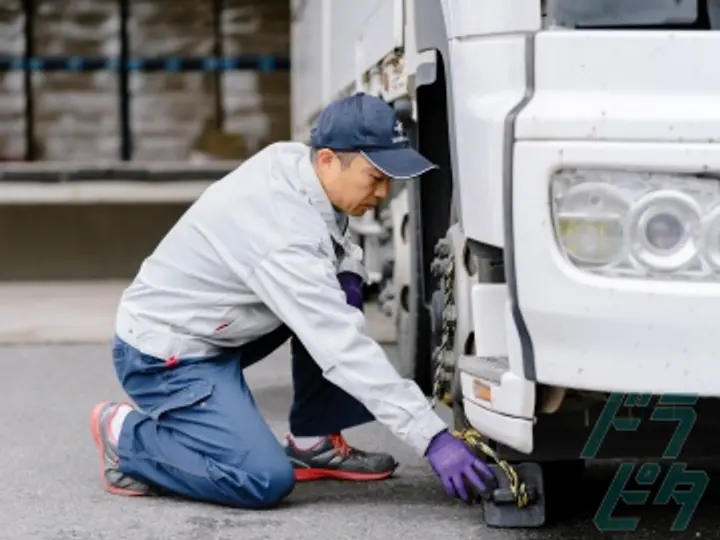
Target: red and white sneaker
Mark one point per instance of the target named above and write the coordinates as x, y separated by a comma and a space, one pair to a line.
115, 481
332, 457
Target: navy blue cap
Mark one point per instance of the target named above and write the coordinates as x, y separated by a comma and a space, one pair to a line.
366, 124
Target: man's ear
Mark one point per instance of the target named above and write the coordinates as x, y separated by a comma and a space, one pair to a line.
324, 157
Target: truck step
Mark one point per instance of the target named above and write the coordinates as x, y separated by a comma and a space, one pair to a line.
487, 368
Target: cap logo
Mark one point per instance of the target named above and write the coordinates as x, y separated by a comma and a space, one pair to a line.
400, 136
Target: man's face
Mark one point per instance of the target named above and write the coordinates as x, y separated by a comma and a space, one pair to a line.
353, 185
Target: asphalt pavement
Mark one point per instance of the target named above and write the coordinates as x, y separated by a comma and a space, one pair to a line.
51, 489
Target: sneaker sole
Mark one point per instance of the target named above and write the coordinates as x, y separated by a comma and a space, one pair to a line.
306, 475
97, 437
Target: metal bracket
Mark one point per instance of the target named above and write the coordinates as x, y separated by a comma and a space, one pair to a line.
502, 512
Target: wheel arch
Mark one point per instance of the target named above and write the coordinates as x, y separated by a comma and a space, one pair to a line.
431, 197
432, 35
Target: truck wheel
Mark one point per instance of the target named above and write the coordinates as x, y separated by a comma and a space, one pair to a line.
413, 318
421, 335
437, 308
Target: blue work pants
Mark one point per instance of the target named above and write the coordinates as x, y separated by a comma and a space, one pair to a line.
199, 433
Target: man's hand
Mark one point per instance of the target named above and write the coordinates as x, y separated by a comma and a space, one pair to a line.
459, 469
352, 284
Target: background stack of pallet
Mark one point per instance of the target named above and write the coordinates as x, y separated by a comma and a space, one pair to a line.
172, 114
12, 100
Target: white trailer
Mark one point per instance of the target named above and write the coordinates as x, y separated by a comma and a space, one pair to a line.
578, 198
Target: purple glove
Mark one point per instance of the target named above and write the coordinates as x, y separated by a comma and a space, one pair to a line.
458, 468
352, 284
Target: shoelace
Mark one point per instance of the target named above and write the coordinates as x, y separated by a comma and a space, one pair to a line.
342, 448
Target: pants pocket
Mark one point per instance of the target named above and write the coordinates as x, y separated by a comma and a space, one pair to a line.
191, 394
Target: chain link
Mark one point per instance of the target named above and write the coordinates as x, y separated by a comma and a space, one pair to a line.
444, 268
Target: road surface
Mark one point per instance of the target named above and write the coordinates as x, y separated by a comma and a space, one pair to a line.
51, 489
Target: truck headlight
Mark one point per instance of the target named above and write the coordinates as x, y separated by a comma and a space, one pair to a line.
590, 220
638, 224
711, 238
664, 228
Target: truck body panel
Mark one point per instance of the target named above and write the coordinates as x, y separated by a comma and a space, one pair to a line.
619, 86
333, 43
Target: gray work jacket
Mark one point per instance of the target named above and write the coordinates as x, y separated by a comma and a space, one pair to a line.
259, 248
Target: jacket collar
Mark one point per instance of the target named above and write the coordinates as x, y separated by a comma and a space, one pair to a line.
335, 220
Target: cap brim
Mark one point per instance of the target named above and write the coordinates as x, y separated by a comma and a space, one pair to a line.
399, 163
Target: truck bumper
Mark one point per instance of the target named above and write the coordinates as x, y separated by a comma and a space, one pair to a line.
498, 401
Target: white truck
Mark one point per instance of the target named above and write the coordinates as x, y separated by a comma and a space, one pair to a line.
578, 199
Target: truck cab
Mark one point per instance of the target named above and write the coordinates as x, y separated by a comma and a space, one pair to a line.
567, 251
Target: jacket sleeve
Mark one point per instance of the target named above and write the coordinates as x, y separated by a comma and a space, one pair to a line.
350, 256
351, 259
298, 283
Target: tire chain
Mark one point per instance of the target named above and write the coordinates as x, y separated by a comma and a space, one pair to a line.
443, 268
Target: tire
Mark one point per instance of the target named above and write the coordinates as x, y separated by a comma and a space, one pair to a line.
437, 305
416, 329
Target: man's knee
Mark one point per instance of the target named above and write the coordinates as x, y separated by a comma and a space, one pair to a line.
215, 443
277, 483
258, 485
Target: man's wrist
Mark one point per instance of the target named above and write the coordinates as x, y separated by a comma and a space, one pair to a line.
434, 439
424, 429
353, 266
